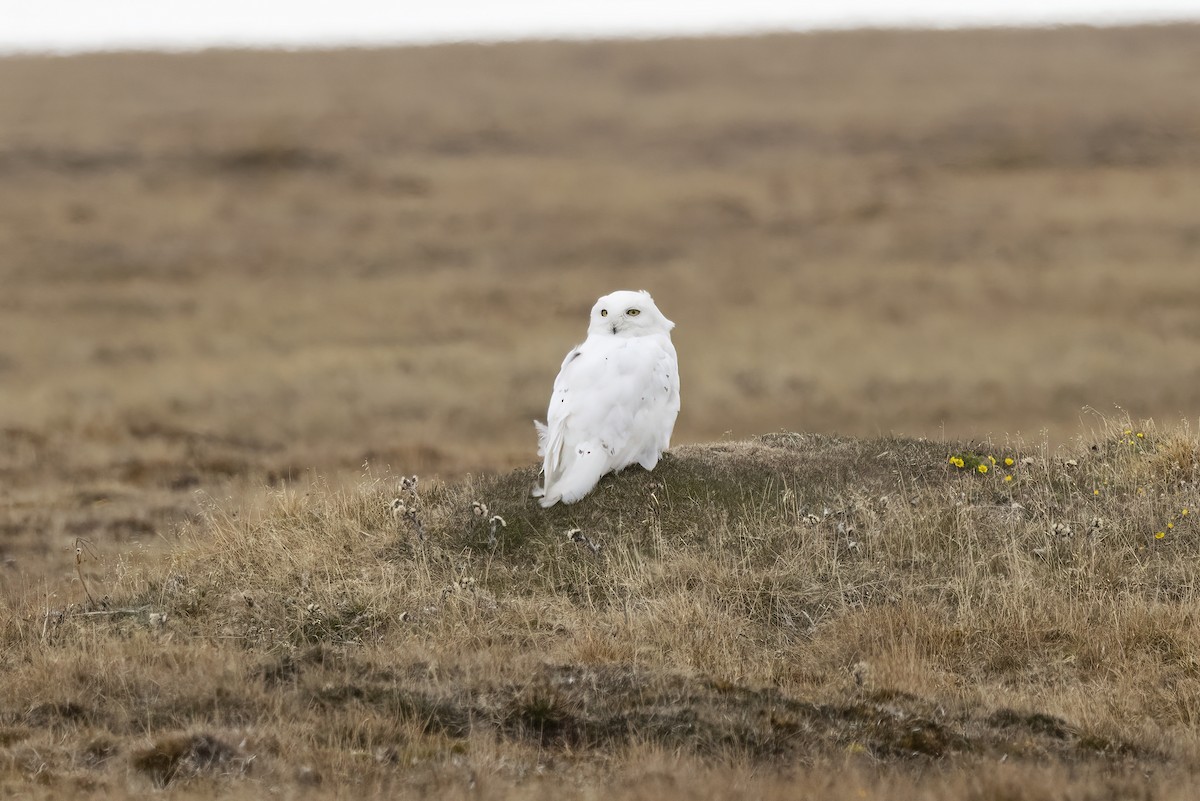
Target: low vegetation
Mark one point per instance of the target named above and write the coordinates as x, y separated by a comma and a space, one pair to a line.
793, 611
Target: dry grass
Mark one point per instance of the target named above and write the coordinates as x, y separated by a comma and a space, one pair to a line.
792, 611
227, 272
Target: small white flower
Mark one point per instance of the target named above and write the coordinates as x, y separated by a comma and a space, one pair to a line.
497, 522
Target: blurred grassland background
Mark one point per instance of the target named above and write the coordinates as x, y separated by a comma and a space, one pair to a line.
223, 270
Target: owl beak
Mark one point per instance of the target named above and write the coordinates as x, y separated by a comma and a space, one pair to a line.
614, 329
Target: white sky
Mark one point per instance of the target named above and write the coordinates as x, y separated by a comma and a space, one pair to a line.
75, 25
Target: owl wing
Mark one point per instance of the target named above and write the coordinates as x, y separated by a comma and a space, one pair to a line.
552, 434
657, 404
575, 442
666, 407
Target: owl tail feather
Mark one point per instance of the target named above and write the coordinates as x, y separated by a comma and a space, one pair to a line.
543, 435
581, 471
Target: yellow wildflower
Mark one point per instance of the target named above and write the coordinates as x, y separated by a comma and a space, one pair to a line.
1008, 478
983, 468
1184, 513
1008, 461
1140, 435
1127, 431
992, 459
1158, 535
1095, 492
1170, 525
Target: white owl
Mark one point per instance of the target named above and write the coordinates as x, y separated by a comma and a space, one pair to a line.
615, 399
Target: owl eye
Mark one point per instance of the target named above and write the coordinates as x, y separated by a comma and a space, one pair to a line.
633, 312
604, 312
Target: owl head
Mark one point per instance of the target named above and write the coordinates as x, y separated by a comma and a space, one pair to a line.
628, 314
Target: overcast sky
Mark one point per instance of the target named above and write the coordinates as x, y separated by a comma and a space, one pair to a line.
73, 25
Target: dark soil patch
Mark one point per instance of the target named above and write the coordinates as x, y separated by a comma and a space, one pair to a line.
579, 708
186, 756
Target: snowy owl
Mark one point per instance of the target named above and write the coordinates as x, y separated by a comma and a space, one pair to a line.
615, 399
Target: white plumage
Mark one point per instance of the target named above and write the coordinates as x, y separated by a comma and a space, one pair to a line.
615, 399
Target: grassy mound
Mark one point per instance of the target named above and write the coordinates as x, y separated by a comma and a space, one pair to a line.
794, 611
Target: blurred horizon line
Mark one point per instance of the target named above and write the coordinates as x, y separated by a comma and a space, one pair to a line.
169, 43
